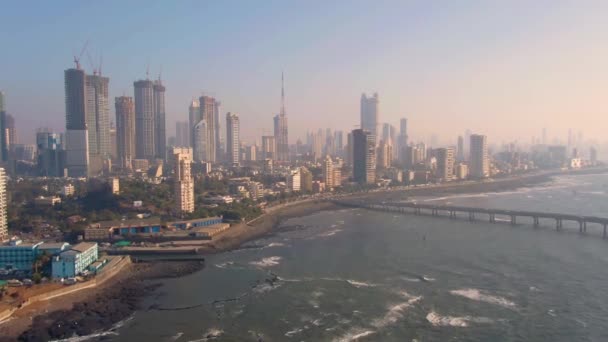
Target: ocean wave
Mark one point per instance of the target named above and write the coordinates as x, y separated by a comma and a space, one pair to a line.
275, 244
453, 321
110, 332
176, 336
359, 284
265, 287
475, 294
395, 312
295, 331
354, 335
267, 262
209, 335
224, 265
330, 233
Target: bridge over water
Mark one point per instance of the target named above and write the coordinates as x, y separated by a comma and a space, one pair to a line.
474, 213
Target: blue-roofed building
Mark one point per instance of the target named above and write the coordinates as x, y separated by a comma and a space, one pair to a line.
18, 255
196, 223
74, 261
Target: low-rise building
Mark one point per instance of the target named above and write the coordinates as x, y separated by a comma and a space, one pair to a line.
18, 256
210, 231
107, 230
47, 201
196, 223
115, 183
74, 261
67, 190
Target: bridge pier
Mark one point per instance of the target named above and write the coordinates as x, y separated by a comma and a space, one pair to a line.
452, 214
536, 221
492, 217
471, 216
604, 234
584, 226
513, 220
417, 211
558, 223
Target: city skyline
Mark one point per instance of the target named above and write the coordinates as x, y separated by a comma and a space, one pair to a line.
481, 90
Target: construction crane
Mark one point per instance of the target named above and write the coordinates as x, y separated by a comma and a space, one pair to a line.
77, 58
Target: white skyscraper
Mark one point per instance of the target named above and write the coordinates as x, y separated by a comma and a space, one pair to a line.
184, 185
369, 114
480, 164
201, 141
3, 205
232, 139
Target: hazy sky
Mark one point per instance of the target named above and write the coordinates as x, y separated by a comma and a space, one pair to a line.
503, 68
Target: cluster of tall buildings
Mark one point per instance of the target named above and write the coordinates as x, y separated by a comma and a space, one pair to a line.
90, 141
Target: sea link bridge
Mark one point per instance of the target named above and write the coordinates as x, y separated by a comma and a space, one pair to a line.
473, 213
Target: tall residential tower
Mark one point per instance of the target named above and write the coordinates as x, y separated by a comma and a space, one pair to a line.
125, 131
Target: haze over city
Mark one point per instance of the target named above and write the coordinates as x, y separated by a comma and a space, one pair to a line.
507, 69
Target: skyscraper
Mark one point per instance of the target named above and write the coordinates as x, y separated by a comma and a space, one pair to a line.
328, 172
182, 134
460, 154
97, 121
2, 102
369, 114
160, 139
51, 155
480, 164
76, 135
145, 127
445, 163
364, 156
269, 147
194, 116
339, 143
3, 206
209, 108
232, 139
11, 131
125, 131
3, 137
280, 128
201, 140
184, 185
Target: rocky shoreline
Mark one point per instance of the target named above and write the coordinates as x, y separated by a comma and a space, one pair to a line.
106, 307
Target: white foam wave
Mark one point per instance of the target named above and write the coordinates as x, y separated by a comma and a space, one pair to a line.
176, 336
411, 280
110, 332
354, 335
330, 233
359, 284
453, 321
395, 312
210, 334
267, 262
477, 295
224, 264
275, 244
294, 332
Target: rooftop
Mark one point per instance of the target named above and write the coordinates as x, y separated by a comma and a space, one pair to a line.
83, 246
53, 245
195, 220
126, 223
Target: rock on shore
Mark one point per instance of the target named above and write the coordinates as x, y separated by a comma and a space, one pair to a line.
109, 306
